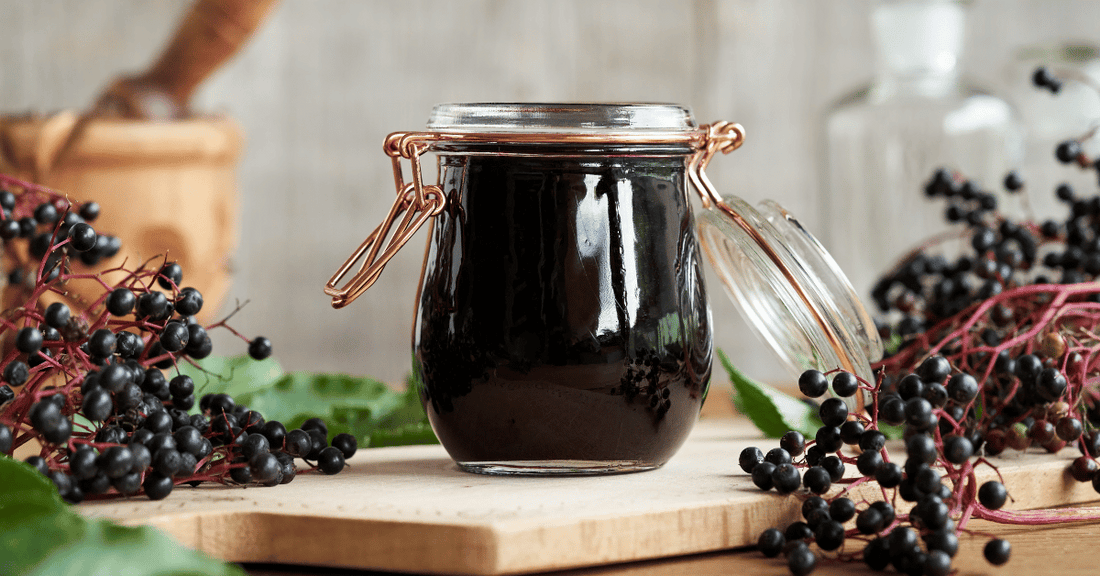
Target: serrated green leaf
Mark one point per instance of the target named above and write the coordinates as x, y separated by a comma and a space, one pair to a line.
40, 536
771, 411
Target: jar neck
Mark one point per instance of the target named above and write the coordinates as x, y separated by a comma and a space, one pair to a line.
919, 43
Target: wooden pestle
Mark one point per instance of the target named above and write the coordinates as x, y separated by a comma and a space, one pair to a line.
211, 33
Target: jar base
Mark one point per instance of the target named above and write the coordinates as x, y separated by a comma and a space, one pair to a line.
557, 467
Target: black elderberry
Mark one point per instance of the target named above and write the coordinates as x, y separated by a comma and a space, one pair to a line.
89, 211
828, 438
82, 463
189, 302
1067, 151
259, 348
28, 340
934, 369
936, 395
872, 440
315, 424
45, 415
892, 410
57, 315
241, 475
801, 561
868, 463
816, 479
813, 383
346, 443
6, 440
161, 441
957, 449
1013, 181
761, 474
814, 455
835, 467
289, 472
814, 504
869, 521
220, 404
1068, 428
167, 461
102, 343
98, 484
188, 439
141, 435
771, 542
962, 388
921, 448
298, 443
1051, 384
942, 540
918, 411
331, 461
798, 531
983, 239
997, 551
187, 466
275, 432
157, 486
829, 535
992, 495
254, 444
97, 405
121, 302
851, 432
171, 274
877, 554
45, 213
845, 384
174, 336
888, 475
153, 305
116, 461
265, 468
82, 237
793, 442
776, 456
833, 412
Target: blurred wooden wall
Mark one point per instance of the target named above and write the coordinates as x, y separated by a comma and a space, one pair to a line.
324, 82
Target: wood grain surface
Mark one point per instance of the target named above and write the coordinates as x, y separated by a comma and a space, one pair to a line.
410, 509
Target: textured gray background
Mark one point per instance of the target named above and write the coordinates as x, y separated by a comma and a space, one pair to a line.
324, 82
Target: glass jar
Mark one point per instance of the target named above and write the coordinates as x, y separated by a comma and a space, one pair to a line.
562, 324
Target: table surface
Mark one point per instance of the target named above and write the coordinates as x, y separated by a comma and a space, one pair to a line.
1036, 550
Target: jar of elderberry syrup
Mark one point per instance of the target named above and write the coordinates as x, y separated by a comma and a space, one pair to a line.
562, 322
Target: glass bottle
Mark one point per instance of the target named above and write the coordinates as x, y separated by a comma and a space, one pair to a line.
883, 141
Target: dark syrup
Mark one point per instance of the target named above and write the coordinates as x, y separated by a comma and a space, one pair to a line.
562, 313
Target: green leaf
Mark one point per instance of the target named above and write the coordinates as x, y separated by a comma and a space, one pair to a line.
772, 411
40, 536
233, 375
362, 407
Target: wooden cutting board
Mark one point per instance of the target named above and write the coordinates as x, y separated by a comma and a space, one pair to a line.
411, 509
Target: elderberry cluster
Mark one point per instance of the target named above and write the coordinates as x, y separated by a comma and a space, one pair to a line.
87, 380
885, 536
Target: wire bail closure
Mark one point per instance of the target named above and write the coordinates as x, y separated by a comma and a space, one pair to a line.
416, 202
414, 205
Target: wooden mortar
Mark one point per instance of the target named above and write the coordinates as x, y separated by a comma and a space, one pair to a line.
166, 189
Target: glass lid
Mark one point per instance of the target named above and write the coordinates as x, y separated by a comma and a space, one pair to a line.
788, 288
580, 117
